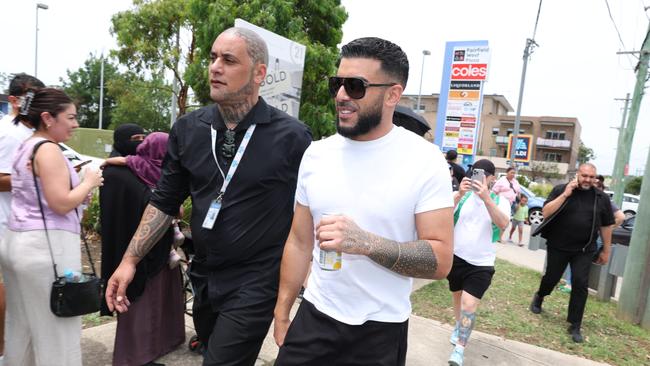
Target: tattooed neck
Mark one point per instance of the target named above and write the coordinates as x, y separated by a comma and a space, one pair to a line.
233, 113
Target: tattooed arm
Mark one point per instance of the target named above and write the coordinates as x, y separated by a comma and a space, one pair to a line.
428, 257
152, 227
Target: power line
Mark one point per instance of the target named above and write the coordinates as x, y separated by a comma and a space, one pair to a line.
609, 11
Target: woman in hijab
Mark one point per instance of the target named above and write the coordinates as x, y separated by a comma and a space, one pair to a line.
154, 324
126, 139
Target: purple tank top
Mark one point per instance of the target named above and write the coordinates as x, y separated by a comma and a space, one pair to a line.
25, 213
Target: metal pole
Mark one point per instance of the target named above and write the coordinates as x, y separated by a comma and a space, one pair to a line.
101, 94
36, 47
618, 173
425, 53
44, 7
528, 50
175, 84
530, 43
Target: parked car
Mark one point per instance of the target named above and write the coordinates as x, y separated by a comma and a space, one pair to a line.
76, 158
535, 204
630, 203
623, 234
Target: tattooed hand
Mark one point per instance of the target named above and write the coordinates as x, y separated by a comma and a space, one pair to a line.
413, 259
340, 233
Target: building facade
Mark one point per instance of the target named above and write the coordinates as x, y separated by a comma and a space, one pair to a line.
555, 143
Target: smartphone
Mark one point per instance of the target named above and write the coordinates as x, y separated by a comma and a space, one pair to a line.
477, 175
78, 166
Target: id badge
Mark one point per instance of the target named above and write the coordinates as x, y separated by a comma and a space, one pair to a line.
213, 212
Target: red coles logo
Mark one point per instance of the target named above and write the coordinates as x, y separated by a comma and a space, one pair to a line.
468, 71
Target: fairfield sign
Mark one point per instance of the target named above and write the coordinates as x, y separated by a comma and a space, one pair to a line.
469, 71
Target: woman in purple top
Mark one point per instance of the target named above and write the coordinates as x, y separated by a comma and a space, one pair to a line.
34, 335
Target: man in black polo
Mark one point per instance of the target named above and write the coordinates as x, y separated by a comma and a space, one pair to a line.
238, 160
459, 172
575, 214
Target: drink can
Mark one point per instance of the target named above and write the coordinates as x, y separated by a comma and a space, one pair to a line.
329, 260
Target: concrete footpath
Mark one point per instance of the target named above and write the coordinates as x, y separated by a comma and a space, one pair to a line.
428, 339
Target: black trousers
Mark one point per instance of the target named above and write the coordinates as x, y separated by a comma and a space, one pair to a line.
316, 339
556, 262
232, 336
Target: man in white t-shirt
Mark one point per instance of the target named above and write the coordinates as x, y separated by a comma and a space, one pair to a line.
11, 136
381, 197
479, 218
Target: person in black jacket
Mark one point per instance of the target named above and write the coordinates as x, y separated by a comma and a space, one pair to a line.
459, 172
576, 213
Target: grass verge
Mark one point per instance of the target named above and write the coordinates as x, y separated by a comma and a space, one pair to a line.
94, 319
504, 312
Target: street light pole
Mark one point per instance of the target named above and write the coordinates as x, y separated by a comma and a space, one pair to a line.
425, 53
44, 7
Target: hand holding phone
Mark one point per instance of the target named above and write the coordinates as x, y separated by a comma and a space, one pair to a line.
478, 175
81, 164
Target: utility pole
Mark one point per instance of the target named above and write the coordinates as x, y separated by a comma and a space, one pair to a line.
634, 302
528, 50
619, 173
101, 95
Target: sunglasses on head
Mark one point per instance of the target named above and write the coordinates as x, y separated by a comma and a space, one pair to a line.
355, 88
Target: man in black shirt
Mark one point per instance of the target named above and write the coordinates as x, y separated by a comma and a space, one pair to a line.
575, 213
242, 202
459, 172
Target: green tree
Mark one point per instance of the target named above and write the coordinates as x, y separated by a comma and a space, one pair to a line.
633, 185
148, 37
4, 82
585, 154
82, 86
146, 102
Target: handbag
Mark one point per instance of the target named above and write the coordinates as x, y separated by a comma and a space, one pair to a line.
68, 299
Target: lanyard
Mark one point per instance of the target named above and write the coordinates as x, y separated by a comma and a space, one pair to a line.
235, 160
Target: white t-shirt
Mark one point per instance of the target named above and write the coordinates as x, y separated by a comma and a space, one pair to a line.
6, 122
473, 231
11, 137
381, 185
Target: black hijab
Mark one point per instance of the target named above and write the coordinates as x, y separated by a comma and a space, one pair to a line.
122, 144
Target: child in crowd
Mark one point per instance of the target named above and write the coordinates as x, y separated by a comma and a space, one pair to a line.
520, 217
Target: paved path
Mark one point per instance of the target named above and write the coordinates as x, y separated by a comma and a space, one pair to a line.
428, 339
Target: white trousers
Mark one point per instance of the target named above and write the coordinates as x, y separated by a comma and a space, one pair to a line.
33, 335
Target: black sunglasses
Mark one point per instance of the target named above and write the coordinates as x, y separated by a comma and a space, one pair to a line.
355, 88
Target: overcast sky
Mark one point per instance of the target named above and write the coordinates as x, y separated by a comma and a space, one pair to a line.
575, 72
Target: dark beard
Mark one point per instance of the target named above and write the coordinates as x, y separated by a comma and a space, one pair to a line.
366, 123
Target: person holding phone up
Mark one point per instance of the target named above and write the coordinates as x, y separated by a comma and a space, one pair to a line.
575, 213
479, 218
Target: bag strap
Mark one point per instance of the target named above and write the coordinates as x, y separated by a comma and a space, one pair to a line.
496, 232
40, 206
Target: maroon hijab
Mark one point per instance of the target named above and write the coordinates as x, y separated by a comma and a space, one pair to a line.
148, 158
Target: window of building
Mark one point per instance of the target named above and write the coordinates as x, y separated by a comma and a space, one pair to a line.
493, 152
415, 107
554, 157
495, 131
556, 135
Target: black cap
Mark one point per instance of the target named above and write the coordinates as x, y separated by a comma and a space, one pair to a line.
486, 165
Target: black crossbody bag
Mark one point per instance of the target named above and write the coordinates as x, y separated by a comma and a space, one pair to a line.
69, 299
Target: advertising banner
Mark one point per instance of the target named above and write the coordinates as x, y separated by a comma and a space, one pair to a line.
283, 83
465, 70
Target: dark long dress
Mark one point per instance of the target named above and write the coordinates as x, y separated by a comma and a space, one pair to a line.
155, 321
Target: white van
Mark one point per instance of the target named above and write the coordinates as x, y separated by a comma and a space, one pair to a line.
630, 203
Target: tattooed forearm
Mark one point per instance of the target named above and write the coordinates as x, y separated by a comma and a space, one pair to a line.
153, 225
413, 259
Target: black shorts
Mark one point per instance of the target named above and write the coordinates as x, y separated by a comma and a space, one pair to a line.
472, 279
315, 339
